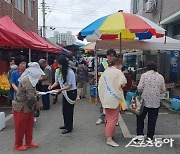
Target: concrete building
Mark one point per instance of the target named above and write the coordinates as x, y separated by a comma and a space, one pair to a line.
23, 12
64, 38
163, 12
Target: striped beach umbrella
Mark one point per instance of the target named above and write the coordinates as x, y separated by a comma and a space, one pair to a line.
121, 25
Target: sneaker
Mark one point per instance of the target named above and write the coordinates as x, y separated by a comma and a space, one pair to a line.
35, 120
100, 121
139, 138
66, 131
149, 139
117, 124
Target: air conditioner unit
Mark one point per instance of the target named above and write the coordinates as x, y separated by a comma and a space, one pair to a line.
150, 6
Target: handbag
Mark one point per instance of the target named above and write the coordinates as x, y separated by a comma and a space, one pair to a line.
136, 104
36, 112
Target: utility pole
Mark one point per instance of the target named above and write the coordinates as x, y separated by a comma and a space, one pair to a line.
44, 13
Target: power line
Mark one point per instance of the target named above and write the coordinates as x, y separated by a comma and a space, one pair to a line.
51, 8
79, 3
77, 9
84, 14
69, 8
64, 27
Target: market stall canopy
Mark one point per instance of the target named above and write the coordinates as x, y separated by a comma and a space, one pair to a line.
89, 47
152, 44
66, 52
13, 36
50, 47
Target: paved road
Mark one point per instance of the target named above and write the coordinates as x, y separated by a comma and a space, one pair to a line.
87, 138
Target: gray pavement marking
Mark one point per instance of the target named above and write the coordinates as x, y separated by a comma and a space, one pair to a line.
158, 136
127, 134
9, 117
124, 128
164, 113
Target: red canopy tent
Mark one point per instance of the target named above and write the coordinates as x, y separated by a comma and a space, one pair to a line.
7, 40
13, 36
50, 47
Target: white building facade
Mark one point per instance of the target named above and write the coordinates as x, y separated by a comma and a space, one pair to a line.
64, 38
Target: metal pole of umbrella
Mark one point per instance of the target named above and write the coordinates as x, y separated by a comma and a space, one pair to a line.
96, 74
120, 43
29, 55
47, 57
96, 66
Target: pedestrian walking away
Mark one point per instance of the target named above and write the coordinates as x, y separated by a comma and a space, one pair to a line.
82, 78
111, 54
111, 93
152, 85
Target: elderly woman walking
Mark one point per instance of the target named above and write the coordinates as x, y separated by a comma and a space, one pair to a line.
23, 107
82, 78
152, 85
111, 93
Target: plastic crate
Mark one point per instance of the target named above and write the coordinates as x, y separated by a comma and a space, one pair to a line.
175, 104
177, 97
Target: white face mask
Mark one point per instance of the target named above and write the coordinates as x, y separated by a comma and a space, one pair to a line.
13, 66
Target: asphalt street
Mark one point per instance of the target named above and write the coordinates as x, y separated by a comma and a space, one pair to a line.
87, 137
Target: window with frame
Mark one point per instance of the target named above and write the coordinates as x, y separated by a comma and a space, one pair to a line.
9, 1
176, 30
31, 9
135, 6
19, 4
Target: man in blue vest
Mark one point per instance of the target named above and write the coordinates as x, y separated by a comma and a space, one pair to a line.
111, 54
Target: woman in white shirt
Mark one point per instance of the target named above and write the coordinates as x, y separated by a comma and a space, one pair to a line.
111, 93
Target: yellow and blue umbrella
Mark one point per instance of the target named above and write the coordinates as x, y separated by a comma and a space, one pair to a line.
121, 25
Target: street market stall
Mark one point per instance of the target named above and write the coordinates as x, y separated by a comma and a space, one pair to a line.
120, 27
15, 41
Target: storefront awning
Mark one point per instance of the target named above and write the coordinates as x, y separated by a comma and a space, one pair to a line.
152, 44
171, 19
